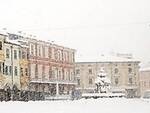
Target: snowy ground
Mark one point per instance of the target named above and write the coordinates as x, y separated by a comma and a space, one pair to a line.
79, 106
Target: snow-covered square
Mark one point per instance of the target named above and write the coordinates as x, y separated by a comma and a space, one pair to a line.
103, 105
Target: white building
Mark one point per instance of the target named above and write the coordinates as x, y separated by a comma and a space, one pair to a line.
11, 64
144, 80
123, 73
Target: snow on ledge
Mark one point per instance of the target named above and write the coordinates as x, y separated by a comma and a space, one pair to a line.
107, 58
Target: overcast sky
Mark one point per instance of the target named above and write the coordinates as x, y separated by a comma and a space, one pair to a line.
92, 27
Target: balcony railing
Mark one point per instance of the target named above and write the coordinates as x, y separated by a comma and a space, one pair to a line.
132, 86
54, 81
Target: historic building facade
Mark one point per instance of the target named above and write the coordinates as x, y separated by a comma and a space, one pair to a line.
123, 73
36, 65
51, 67
2, 59
11, 64
144, 80
39, 65
24, 68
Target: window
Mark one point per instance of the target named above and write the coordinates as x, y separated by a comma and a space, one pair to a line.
21, 71
36, 69
6, 70
56, 55
66, 75
144, 84
59, 74
65, 56
52, 53
43, 72
23, 55
16, 71
7, 53
43, 88
26, 71
32, 49
10, 70
90, 81
73, 59
130, 80
39, 50
70, 76
59, 55
116, 70
90, 71
19, 54
36, 87
53, 74
130, 70
50, 74
43, 51
63, 76
1, 68
78, 82
27, 55
129, 64
116, 81
56, 72
15, 54
77, 71
0, 45
36, 77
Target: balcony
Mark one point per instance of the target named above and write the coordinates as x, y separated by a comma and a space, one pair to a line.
52, 81
117, 75
23, 62
131, 86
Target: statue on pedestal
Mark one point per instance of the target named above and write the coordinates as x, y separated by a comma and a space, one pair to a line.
102, 82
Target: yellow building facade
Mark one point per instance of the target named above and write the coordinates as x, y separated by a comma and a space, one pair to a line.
24, 68
2, 77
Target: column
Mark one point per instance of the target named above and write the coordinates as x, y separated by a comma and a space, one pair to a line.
57, 89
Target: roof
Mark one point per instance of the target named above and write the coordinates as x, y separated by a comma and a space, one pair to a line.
145, 69
3, 33
103, 58
12, 41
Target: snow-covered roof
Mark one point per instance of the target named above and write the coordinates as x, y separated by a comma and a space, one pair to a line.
12, 41
145, 66
107, 58
19, 42
145, 69
2, 32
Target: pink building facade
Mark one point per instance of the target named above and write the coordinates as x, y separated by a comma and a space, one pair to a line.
51, 68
